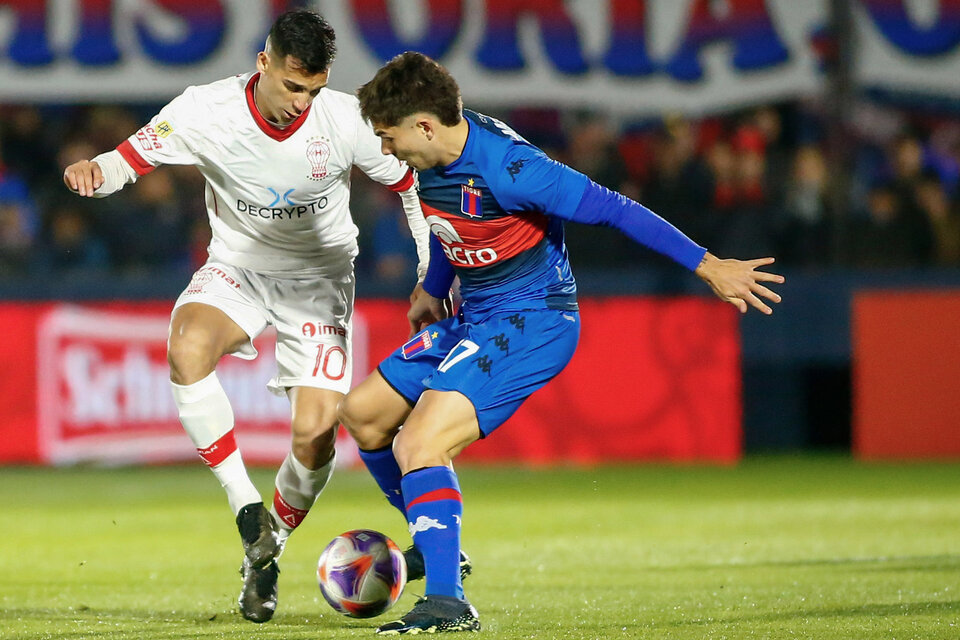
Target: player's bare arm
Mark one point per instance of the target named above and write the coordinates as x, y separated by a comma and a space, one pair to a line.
83, 177
425, 309
738, 281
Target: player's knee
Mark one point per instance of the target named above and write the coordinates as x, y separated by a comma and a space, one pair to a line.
314, 445
360, 424
413, 452
191, 357
347, 413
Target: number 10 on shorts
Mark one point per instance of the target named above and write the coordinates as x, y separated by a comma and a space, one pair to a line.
331, 362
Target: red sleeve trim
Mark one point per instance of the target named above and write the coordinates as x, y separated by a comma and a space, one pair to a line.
134, 159
404, 183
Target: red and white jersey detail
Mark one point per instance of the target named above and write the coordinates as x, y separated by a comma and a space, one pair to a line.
470, 242
279, 197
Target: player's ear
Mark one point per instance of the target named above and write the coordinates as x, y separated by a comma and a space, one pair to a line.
426, 127
263, 61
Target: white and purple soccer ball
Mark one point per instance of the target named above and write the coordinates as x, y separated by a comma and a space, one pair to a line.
361, 573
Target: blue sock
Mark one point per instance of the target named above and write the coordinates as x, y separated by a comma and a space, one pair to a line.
385, 470
434, 508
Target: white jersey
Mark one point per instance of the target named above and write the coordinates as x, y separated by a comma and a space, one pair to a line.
277, 198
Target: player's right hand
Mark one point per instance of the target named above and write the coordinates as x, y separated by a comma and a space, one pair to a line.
425, 310
83, 177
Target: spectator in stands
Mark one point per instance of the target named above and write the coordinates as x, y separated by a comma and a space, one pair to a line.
592, 150
722, 165
888, 237
18, 221
69, 243
681, 184
25, 145
394, 253
148, 228
803, 234
943, 217
740, 168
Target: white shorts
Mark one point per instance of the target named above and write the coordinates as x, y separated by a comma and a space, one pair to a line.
311, 315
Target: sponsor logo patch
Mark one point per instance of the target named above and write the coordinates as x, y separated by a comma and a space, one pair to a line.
420, 342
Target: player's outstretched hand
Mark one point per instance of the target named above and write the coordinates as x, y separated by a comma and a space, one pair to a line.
738, 281
83, 177
425, 309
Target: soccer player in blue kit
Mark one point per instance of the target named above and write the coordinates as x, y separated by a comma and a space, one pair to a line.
495, 205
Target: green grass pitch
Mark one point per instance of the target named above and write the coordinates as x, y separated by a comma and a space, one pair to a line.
778, 547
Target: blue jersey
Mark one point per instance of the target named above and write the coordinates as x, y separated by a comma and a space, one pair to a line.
489, 210
496, 214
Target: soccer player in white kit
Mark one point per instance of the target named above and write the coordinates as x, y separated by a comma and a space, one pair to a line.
276, 148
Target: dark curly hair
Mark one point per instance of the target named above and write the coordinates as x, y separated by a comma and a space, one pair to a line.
408, 84
306, 36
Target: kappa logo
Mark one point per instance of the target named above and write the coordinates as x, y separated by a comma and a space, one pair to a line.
515, 167
424, 523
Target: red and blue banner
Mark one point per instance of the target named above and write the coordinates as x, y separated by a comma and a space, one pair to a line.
638, 56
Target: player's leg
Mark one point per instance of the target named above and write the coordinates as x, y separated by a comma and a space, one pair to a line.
200, 335
312, 316
300, 480
372, 413
440, 426
312, 458
479, 384
314, 367
219, 313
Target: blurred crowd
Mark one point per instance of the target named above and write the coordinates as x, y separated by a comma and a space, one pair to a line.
767, 181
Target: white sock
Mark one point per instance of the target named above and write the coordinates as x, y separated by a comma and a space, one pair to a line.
296, 491
207, 417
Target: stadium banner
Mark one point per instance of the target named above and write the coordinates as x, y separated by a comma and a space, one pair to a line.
652, 380
636, 56
906, 364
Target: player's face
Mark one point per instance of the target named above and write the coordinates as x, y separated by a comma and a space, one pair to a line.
285, 89
409, 141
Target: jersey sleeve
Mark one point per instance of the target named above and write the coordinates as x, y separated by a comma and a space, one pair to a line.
369, 157
601, 206
529, 180
440, 274
535, 182
168, 138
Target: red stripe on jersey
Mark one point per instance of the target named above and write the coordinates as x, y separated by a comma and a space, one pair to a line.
404, 183
219, 450
291, 516
277, 133
438, 494
479, 242
134, 159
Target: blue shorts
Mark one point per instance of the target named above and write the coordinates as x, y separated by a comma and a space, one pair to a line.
496, 364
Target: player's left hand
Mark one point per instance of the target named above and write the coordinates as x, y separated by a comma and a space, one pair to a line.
738, 281
425, 309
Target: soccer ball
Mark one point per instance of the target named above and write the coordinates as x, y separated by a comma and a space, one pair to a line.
361, 573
